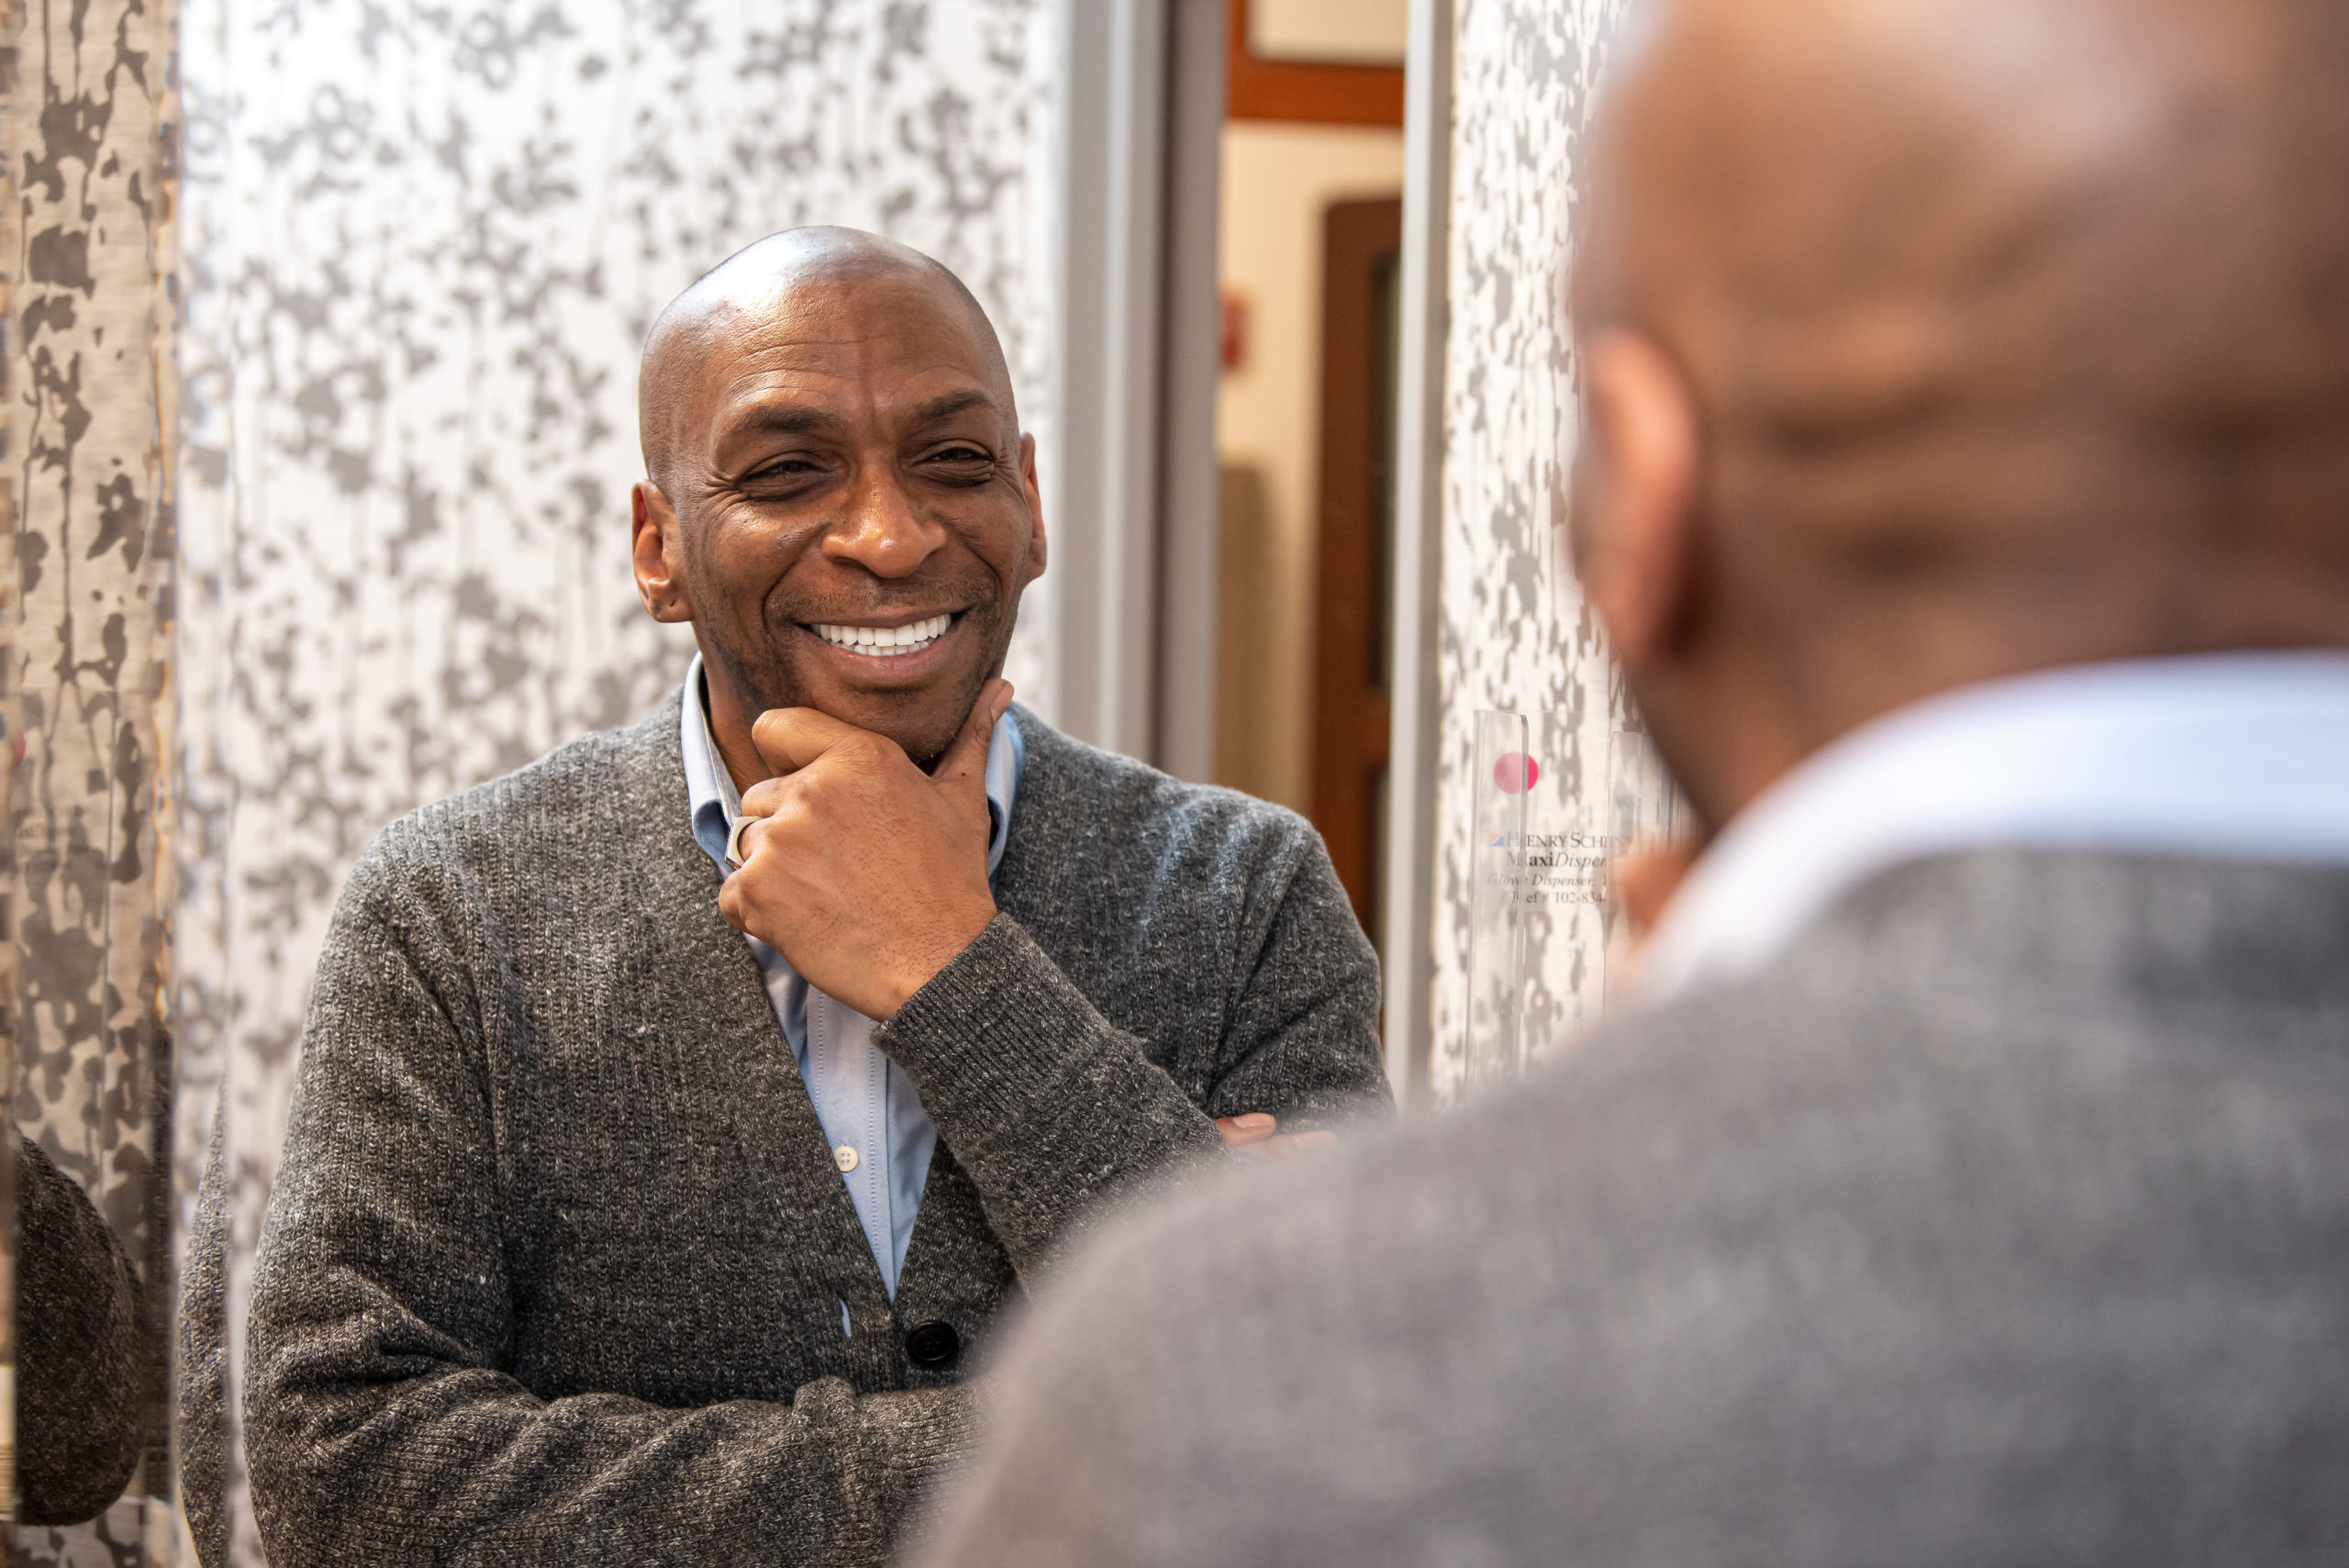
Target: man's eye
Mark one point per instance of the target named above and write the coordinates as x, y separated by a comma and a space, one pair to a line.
789, 468
964, 454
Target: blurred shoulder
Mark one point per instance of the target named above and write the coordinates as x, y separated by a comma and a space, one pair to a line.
1337, 1343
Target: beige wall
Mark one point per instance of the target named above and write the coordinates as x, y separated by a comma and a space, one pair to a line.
1277, 181
1368, 31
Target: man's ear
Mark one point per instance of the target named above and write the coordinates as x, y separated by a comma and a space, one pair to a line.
1035, 495
658, 551
1633, 518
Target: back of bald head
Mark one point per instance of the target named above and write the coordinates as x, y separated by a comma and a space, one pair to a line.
760, 277
2020, 289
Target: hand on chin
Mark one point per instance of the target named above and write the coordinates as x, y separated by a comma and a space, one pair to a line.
867, 873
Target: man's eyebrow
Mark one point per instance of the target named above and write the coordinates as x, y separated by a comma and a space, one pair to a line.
787, 419
945, 406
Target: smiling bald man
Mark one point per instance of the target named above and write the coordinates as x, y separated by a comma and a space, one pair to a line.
676, 1114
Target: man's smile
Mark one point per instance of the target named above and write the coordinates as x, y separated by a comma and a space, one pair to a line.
886, 642
909, 653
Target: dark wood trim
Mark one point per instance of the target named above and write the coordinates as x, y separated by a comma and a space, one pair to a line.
1317, 94
1350, 697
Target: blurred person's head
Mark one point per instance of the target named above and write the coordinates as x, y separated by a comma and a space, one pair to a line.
839, 496
1931, 341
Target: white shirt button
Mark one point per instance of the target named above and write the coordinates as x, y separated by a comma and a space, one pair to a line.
845, 1158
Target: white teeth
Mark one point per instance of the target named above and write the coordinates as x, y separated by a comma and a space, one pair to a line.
886, 642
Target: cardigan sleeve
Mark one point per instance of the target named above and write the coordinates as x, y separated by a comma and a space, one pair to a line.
381, 1426
1060, 1115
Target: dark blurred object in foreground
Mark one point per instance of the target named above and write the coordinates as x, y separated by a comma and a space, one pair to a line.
80, 1415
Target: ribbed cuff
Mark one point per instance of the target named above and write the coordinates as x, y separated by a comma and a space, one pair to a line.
992, 1032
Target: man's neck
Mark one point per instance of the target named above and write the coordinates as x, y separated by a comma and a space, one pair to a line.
729, 726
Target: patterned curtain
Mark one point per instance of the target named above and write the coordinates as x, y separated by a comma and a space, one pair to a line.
91, 141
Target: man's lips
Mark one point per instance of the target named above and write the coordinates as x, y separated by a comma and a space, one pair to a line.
884, 643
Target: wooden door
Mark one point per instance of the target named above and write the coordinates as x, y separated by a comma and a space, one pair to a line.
1362, 254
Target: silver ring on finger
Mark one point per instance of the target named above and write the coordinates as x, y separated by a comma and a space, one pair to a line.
734, 852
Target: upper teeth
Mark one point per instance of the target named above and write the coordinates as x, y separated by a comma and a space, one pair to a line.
886, 640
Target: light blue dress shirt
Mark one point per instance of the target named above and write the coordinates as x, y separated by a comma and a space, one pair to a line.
882, 1140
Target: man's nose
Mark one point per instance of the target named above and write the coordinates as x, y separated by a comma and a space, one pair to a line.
885, 531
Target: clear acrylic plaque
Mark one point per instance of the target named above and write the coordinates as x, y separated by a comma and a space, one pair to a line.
1506, 774
1548, 947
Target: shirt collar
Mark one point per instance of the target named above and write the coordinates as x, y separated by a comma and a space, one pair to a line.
714, 802
2235, 755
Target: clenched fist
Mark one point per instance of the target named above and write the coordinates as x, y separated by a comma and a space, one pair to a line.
867, 873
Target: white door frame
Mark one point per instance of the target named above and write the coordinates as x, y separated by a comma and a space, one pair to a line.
1132, 481
1408, 942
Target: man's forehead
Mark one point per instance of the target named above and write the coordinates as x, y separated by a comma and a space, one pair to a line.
817, 344
820, 320
828, 327
752, 389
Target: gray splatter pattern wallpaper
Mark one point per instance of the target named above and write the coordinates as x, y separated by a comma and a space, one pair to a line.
1514, 633
422, 246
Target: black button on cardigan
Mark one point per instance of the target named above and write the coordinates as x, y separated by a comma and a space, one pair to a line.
933, 1344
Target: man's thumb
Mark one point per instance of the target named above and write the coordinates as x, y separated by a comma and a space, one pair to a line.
964, 765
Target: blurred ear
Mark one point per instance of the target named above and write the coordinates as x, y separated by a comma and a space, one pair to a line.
657, 552
1034, 492
1633, 518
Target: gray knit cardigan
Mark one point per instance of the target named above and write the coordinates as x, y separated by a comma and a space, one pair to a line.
555, 1265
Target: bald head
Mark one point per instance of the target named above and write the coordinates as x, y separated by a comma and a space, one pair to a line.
2010, 333
760, 279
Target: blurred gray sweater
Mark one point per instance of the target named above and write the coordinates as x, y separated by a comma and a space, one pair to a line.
557, 1266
